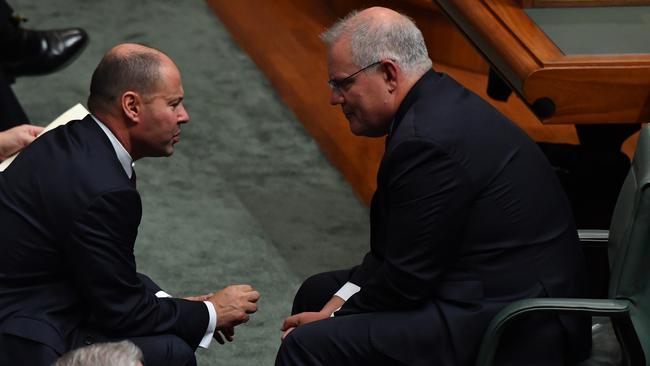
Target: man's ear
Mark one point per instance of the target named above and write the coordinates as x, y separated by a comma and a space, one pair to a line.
390, 72
131, 105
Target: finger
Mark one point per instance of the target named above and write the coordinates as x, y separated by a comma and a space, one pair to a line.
249, 307
286, 332
218, 337
244, 288
253, 296
290, 322
35, 130
229, 333
245, 319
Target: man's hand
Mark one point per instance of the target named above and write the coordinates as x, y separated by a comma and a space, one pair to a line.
205, 297
15, 139
221, 335
233, 304
226, 333
296, 320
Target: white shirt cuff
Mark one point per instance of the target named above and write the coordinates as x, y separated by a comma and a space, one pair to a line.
212, 325
162, 293
347, 291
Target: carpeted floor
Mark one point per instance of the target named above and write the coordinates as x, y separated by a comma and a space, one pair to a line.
246, 198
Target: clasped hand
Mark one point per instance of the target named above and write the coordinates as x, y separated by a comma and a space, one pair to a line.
233, 305
296, 320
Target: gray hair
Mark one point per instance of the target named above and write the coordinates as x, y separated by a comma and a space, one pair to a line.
123, 353
371, 41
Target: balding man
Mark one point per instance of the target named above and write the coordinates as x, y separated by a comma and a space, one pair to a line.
70, 213
467, 217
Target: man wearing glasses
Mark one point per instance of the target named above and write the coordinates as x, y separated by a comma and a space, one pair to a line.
467, 217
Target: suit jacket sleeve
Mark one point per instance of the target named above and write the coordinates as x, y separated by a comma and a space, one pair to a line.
427, 198
149, 285
100, 253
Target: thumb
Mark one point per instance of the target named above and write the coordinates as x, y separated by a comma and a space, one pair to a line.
290, 322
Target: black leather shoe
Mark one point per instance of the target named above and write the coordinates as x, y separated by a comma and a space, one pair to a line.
42, 52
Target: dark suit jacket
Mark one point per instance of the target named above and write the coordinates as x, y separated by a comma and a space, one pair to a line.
468, 215
69, 218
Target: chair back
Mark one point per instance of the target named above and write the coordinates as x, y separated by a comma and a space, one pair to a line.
629, 242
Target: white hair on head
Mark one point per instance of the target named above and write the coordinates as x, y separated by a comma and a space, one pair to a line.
399, 40
123, 353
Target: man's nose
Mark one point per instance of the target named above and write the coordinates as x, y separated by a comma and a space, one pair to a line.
336, 97
183, 116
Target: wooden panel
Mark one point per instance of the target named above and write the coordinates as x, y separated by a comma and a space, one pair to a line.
584, 88
584, 95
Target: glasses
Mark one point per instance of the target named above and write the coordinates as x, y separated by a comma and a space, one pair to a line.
340, 85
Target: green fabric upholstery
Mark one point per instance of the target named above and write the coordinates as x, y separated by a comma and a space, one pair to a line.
628, 306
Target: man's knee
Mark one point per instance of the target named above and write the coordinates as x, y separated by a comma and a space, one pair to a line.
166, 350
15, 350
293, 352
317, 290
180, 352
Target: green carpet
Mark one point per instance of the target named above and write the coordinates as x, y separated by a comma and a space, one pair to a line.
246, 198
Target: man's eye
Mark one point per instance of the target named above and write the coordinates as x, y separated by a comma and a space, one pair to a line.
345, 84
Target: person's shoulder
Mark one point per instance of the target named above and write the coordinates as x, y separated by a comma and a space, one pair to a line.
77, 158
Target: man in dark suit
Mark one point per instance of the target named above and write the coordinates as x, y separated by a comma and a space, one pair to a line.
467, 217
70, 213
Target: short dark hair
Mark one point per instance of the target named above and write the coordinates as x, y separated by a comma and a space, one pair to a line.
138, 71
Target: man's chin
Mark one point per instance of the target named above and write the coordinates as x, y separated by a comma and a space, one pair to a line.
363, 132
356, 128
359, 129
163, 153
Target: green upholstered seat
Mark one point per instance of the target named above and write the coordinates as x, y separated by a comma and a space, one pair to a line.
621, 331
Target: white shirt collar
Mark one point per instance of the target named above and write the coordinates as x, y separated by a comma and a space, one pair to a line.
122, 155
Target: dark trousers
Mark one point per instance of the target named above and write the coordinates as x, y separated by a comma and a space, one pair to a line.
380, 338
414, 337
161, 349
5, 12
11, 113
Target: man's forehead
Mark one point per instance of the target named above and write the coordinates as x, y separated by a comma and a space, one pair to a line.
168, 94
341, 45
169, 87
339, 55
